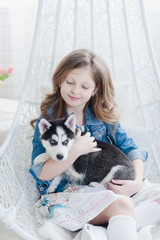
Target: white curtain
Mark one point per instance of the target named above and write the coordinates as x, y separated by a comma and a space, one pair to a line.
17, 20
152, 8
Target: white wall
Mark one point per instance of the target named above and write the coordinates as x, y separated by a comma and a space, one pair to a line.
17, 21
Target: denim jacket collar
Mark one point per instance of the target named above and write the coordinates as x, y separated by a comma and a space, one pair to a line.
90, 119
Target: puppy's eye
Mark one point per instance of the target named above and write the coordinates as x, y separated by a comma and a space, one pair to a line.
65, 142
53, 142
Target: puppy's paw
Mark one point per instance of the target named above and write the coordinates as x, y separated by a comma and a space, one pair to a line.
93, 184
41, 158
55, 182
52, 188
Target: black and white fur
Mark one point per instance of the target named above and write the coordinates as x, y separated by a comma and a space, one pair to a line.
57, 137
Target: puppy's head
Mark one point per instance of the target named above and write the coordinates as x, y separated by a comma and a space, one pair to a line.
58, 136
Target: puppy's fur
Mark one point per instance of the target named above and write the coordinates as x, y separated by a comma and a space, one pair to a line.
58, 136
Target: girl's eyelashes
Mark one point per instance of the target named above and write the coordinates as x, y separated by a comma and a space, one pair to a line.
85, 87
69, 82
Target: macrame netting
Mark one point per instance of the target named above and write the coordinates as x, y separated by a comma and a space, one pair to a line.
117, 31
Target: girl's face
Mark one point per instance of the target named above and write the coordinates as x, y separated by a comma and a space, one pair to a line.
77, 88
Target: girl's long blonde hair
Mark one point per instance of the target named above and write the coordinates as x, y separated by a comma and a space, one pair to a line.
102, 103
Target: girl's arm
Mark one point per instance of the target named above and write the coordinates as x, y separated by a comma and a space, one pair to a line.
137, 156
82, 145
52, 168
129, 187
139, 170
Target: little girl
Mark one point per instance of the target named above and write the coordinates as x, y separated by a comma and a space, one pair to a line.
82, 84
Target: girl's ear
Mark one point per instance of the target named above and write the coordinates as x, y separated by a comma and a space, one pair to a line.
95, 90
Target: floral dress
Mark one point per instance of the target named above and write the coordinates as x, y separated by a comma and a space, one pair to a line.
77, 205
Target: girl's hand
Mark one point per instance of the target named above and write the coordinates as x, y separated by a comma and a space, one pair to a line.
124, 187
85, 144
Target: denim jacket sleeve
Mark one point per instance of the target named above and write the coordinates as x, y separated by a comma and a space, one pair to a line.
127, 145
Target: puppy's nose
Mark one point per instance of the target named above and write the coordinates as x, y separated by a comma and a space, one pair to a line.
60, 156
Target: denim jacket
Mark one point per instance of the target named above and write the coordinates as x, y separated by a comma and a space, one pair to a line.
101, 131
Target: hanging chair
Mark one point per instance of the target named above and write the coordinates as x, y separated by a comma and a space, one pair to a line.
117, 31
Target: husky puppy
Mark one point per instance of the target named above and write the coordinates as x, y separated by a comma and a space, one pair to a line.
57, 137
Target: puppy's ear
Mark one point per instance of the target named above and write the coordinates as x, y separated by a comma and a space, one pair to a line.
71, 122
43, 125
